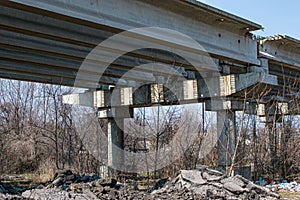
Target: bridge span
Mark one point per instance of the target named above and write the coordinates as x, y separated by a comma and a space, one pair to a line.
50, 41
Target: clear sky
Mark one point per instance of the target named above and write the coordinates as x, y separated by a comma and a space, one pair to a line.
276, 16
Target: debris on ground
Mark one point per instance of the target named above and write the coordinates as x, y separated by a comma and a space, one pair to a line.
285, 187
6, 188
212, 184
202, 183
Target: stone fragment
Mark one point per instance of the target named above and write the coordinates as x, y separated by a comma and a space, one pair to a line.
217, 184
212, 177
214, 172
192, 176
107, 182
258, 189
58, 181
234, 180
246, 181
202, 189
235, 188
71, 177
161, 183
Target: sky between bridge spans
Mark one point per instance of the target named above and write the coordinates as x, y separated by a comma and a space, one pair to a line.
276, 16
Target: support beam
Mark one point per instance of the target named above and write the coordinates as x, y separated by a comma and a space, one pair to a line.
116, 112
170, 92
223, 104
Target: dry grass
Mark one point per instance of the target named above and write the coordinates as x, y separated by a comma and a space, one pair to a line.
25, 180
290, 195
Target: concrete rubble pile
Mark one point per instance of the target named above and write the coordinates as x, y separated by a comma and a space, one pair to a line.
203, 183
70, 186
212, 184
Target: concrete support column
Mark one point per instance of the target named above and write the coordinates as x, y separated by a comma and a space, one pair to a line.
115, 144
115, 135
272, 144
272, 114
226, 128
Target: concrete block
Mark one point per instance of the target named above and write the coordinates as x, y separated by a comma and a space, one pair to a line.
219, 105
126, 96
261, 110
264, 63
121, 97
190, 89
270, 79
251, 108
99, 99
83, 99
174, 92
157, 93
269, 119
72, 99
142, 95
270, 109
256, 69
227, 85
208, 87
283, 108
117, 113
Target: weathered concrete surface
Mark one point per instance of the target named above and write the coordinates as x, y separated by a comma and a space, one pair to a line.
59, 34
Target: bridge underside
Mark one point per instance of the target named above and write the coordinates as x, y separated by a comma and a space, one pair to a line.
49, 41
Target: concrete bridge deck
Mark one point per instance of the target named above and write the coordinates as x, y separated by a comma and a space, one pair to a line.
48, 41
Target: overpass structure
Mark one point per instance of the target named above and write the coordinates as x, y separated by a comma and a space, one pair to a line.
49, 40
